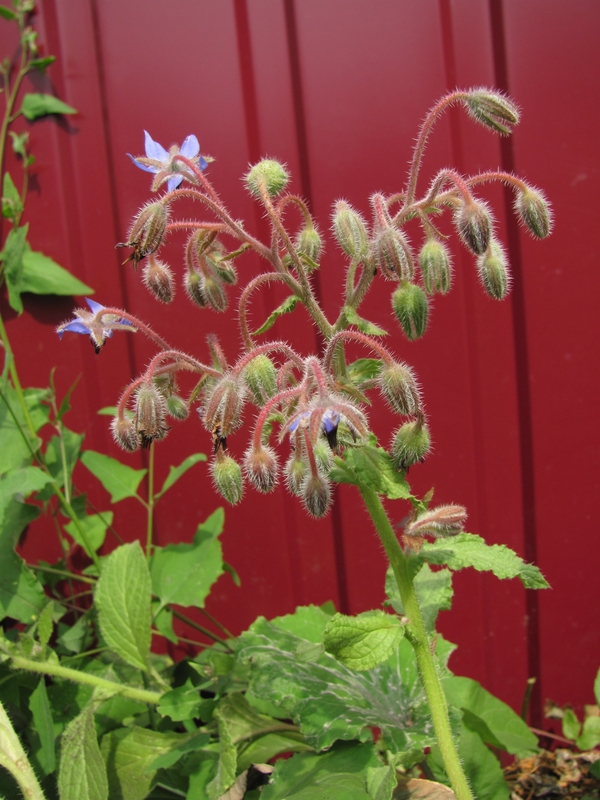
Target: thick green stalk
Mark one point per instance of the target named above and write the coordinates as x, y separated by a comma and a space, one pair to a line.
420, 641
13, 758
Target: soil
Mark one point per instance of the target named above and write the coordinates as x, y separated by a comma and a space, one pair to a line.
561, 773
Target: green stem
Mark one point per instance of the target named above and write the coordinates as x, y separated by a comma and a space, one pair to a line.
58, 671
13, 758
12, 368
215, 637
151, 499
420, 642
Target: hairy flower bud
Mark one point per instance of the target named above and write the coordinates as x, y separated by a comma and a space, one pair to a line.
159, 280
227, 477
323, 455
492, 267
147, 231
213, 292
392, 255
177, 407
493, 110
398, 386
223, 405
149, 414
125, 434
294, 473
436, 267
267, 174
411, 444
261, 379
411, 308
261, 468
534, 212
440, 521
473, 222
308, 242
350, 230
316, 495
193, 287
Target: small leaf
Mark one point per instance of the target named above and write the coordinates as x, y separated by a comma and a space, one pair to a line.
434, 593
21, 594
571, 727
42, 275
363, 324
46, 624
364, 641
7, 13
162, 619
42, 722
288, 305
94, 527
82, 773
181, 703
11, 199
176, 472
19, 143
590, 736
39, 105
12, 256
42, 63
421, 789
123, 597
372, 467
119, 480
172, 756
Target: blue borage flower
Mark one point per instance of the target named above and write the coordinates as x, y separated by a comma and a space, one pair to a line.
160, 161
85, 322
326, 419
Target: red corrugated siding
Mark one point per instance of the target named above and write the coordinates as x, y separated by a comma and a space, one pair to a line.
337, 90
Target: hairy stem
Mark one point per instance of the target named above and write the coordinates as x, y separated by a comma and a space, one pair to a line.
13, 759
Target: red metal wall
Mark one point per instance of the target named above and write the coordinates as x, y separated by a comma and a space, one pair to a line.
337, 89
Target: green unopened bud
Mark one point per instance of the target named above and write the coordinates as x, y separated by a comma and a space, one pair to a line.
226, 271
147, 231
440, 521
493, 271
267, 174
308, 242
392, 255
399, 387
213, 292
350, 230
533, 210
261, 379
159, 279
323, 456
227, 476
316, 495
150, 414
436, 267
193, 287
177, 407
125, 434
474, 225
261, 468
411, 444
411, 308
493, 110
295, 472
223, 405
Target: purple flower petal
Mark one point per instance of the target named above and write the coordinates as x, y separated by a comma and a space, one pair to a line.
76, 326
330, 421
93, 305
173, 182
203, 164
142, 166
155, 150
190, 146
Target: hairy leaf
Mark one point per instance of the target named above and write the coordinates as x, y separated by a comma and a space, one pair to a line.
118, 479
42, 722
363, 324
364, 641
371, 467
82, 773
288, 305
434, 593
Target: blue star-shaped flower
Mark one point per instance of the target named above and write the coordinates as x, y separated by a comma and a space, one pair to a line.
85, 322
158, 160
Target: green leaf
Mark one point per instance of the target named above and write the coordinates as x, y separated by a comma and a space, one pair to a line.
288, 305
42, 722
590, 736
363, 369
184, 573
339, 774
46, 624
42, 63
363, 324
39, 105
372, 467
19, 143
53, 458
82, 773
381, 782
264, 748
307, 622
469, 550
7, 13
42, 275
12, 256
364, 641
75, 638
19, 484
176, 472
571, 727
597, 688
434, 593
119, 480
163, 621
494, 721
17, 440
123, 597
12, 206
180, 703
94, 526
21, 594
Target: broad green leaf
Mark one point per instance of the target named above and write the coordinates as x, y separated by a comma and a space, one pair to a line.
39, 105
364, 641
42, 275
180, 703
184, 573
289, 304
363, 369
82, 773
363, 325
590, 735
11, 199
128, 754
75, 638
176, 472
119, 480
21, 594
43, 725
434, 593
123, 596
37, 402
227, 765
307, 622
330, 701
167, 760
494, 721
339, 774
12, 257
381, 782
94, 526
19, 484
469, 550
372, 467
571, 727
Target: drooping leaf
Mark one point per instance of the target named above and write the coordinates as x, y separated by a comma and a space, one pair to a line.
371, 467
82, 773
363, 325
42, 275
123, 597
434, 593
469, 550
21, 594
118, 479
364, 641
46, 623
264, 748
39, 105
12, 257
42, 722
7, 13
19, 143
176, 472
94, 526
288, 305
41, 63
421, 789
12, 206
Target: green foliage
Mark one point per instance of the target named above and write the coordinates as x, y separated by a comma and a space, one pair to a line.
119, 480
40, 105
362, 642
288, 305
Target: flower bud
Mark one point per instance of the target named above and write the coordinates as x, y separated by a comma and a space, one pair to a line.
411, 444
308, 242
226, 271
316, 495
261, 379
392, 254
493, 110
534, 212
193, 287
227, 476
398, 386
294, 473
147, 231
436, 268
125, 434
350, 230
492, 267
177, 407
441, 521
474, 225
411, 308
261, 468
323, 455
213, 292
223, 405
150, 414
159, 279
267, 174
